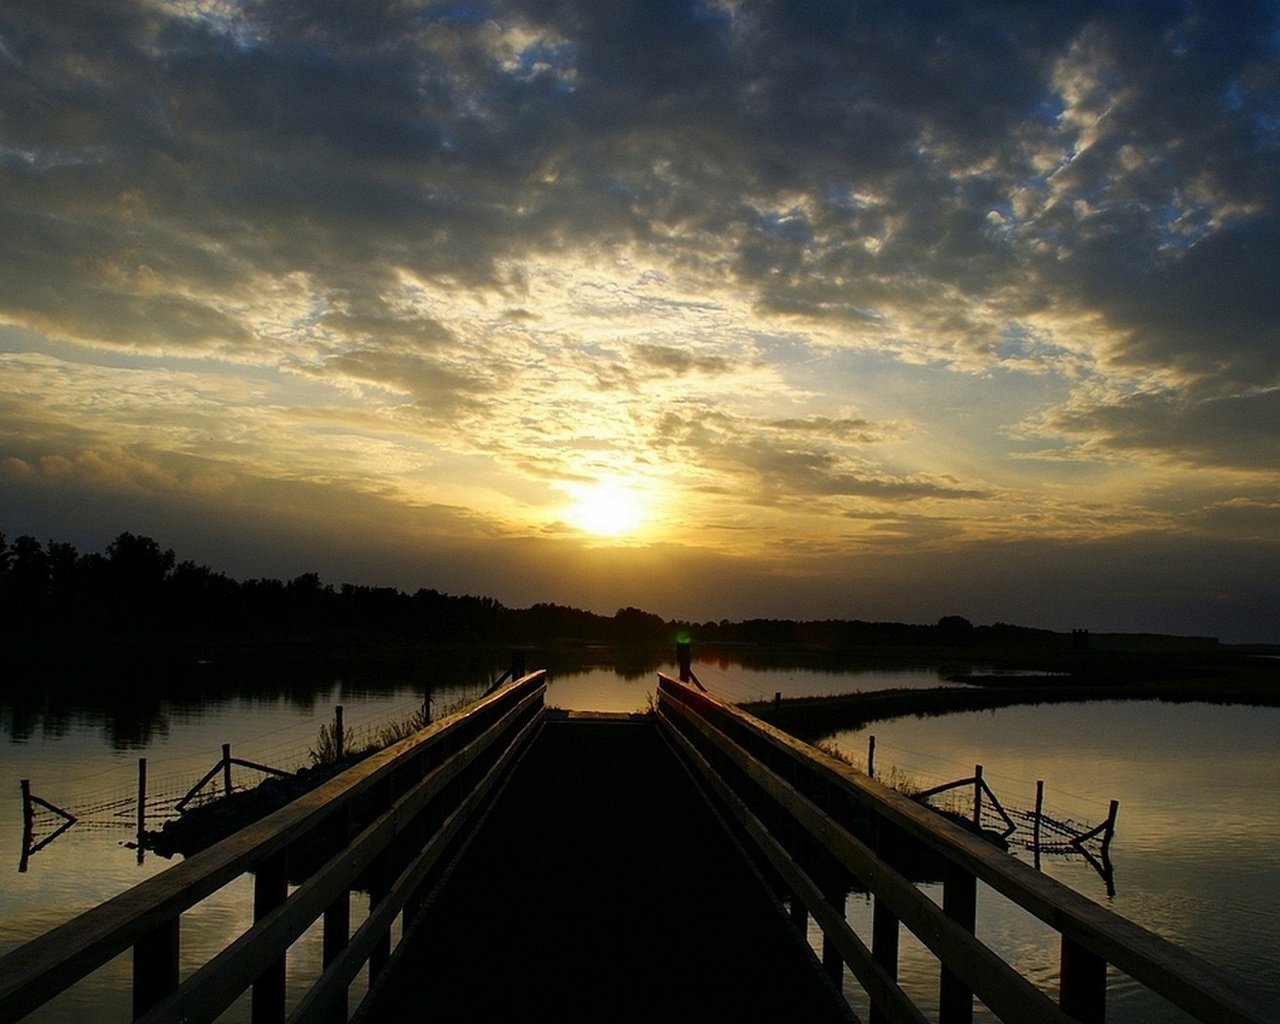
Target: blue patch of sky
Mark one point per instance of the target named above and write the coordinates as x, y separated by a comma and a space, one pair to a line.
1020, 343
457, 14
976, 409
558, 57
1049, 109
710, 13
791, 225
1263, 111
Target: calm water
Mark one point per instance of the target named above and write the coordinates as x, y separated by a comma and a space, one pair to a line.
1198, 789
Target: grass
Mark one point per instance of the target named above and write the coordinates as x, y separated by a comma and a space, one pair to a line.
376, 737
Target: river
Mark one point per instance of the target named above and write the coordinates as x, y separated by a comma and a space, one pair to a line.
1198, 788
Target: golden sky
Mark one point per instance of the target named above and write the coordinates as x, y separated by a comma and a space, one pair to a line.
720, 309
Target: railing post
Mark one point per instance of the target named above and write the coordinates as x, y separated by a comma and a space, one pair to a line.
871, 758
960, 903
337, 921
155, 967
226, 769
832, 961
381, 874
337, 733
270, 889
884, 925
1082, 991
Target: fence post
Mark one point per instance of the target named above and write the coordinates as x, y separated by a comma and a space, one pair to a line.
517, 665
1035, 825
226, 769
871, 758
28, 824
142, 806
337, 732
977, 796
28, 812
1110, 831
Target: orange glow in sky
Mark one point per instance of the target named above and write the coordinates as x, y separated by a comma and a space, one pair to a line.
829, 310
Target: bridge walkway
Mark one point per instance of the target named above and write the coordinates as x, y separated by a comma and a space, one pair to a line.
602, 887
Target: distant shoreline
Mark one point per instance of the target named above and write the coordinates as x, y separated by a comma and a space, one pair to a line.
811, 718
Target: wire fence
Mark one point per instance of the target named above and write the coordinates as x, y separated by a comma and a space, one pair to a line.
165, 786
943, 784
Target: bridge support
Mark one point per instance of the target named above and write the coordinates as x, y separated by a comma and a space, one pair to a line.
270, 889
885, 931
155, 967
1083, 983
960, 903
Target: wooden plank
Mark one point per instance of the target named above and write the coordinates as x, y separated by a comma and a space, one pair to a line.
337, 977
896, 1006
212, 988
1008, 994
45, 966
1184, 979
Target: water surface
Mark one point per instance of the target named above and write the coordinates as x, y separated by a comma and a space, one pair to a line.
1198, 789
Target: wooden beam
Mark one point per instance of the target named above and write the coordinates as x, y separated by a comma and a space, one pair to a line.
879, 984
47, 965
1008, 994
1177, 975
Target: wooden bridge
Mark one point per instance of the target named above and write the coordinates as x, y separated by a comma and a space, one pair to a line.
591, 867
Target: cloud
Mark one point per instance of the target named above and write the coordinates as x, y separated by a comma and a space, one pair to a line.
1239, 431
466, 254
678, 362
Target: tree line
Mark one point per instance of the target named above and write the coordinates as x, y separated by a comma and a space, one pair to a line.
136, 586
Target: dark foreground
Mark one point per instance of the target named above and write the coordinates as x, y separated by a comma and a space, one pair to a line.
602, 888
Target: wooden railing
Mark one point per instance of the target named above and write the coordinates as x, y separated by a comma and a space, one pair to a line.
816, 824
384, 825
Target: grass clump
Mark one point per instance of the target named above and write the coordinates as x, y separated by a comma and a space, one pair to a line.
325, 750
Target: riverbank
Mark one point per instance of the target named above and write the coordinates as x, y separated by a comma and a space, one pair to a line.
1232, 678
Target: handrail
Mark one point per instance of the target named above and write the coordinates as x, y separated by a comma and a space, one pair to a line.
801, 780
401, 780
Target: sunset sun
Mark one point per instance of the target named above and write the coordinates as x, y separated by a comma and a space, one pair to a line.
606, 510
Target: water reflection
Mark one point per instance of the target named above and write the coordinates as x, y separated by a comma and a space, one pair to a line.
1199, 805
1199, 786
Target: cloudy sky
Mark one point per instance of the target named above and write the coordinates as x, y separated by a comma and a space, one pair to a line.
721, 308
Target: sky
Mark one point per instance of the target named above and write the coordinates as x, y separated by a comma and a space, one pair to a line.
722, 309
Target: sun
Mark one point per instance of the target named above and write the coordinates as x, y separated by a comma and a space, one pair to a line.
606, 510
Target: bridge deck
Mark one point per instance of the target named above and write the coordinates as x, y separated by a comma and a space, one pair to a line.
602, 888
